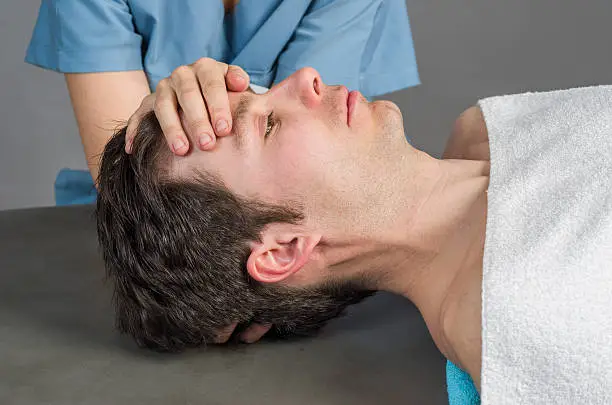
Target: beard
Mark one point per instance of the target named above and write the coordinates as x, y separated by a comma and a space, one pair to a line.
304, 311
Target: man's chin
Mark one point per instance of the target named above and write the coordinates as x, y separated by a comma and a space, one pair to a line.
389, 105
389, 118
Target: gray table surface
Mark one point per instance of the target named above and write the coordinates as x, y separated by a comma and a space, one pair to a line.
58, 344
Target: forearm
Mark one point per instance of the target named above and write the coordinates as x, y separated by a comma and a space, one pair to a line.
101, 102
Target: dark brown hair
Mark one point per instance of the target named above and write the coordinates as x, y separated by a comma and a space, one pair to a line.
176, 251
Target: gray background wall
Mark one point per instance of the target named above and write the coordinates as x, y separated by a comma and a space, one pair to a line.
466, 50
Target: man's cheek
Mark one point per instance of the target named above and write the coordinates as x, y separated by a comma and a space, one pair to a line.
294, 175
287, 171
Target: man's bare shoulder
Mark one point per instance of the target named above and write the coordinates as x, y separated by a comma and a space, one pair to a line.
469, 138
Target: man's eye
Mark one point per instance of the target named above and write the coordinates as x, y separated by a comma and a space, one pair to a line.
269, 125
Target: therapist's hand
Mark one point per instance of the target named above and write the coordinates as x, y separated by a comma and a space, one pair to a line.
251, 334
200, 91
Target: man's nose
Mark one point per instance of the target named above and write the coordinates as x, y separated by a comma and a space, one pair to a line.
309, 86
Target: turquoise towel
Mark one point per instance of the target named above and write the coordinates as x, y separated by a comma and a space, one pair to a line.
460, 387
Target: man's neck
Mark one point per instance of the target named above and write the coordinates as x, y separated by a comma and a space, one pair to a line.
418, 238
452, 224
438, 234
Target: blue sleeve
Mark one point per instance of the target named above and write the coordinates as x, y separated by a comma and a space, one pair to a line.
77, 36
364, 44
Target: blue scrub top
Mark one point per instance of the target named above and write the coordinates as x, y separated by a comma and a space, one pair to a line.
363, 44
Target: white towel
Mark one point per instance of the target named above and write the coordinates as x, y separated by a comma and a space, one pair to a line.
547, 269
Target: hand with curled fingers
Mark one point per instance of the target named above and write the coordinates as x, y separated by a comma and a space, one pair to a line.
192, 104
251, 334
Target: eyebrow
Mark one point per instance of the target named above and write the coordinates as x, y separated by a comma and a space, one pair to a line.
238, 115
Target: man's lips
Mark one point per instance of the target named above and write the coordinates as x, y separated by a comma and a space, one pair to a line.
344, 99
351, 102
350, 99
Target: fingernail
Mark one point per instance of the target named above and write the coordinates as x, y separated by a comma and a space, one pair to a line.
205, 139
178, 144
222, 125
128, 146
240, 77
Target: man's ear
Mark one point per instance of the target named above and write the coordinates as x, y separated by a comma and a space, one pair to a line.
283, 251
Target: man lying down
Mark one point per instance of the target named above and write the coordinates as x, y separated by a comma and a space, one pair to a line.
317, 200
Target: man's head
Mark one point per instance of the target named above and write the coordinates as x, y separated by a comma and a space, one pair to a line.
239, 233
